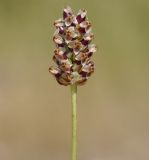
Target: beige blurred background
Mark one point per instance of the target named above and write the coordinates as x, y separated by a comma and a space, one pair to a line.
113, 107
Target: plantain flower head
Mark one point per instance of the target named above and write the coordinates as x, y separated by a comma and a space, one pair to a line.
73, 52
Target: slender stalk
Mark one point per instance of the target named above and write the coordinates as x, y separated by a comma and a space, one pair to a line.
74, 121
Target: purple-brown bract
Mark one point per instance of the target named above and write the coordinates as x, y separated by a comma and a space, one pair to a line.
73, 51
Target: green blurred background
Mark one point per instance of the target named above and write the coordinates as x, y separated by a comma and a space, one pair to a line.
113, 107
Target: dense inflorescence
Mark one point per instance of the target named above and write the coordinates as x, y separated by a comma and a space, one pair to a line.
73, 51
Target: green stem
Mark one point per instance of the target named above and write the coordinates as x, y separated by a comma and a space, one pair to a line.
74, 121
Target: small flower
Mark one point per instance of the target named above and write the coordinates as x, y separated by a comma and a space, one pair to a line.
70, 34
73, 51
58, 39
76, 46
59, 23
67, 12
81, 16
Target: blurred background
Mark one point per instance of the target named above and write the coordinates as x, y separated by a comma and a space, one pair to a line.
113, 107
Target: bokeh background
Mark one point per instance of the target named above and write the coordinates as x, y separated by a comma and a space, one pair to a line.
113, 107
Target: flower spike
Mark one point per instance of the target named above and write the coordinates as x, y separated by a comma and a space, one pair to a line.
73, 51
